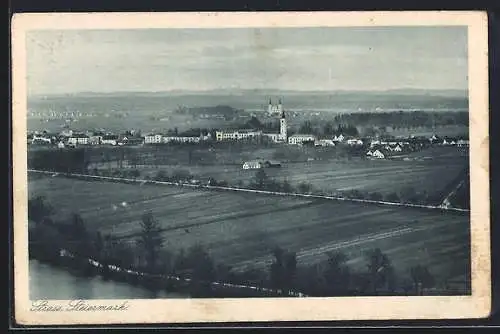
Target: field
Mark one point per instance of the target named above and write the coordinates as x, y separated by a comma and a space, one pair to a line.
431, 170
241, 229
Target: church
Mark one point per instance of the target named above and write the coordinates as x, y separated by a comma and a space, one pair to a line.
277, 109
245, 134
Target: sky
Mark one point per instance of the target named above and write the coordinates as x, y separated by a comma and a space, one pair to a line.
328, 59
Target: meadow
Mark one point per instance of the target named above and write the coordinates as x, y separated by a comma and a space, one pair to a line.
241, 229
432, 170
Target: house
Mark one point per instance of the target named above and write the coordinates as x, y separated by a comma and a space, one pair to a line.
40, 140
397, 148
324, 142
462, 143
377, 154
60, 145
153, 139
369, 153
78, 139
299, 139
433, 138
339, 138
109, 140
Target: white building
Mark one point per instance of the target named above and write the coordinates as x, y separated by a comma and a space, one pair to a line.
354, 141
153, 139
60, 145
377, 154
78, 139
324, 142
462, 143
237, 134
299, 139
177, 139
40, 139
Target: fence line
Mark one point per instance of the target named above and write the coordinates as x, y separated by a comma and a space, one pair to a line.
267, 192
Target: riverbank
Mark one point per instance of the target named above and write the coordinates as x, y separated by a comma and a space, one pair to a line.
157, 284
48, 281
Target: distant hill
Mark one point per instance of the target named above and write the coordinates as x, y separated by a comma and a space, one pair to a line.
272, 92
252, 100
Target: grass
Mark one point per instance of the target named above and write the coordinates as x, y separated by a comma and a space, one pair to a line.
241, 229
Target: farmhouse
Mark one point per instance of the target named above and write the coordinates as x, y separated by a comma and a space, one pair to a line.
255, 164
78, 139
299, 139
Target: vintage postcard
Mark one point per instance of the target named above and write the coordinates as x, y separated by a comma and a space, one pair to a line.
237, 167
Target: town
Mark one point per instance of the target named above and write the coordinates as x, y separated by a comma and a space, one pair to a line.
377, 147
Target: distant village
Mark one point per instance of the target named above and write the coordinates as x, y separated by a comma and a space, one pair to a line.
376, 148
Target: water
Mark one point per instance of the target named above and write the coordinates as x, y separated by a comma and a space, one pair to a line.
48, 282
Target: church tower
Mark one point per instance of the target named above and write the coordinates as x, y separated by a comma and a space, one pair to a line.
283, 125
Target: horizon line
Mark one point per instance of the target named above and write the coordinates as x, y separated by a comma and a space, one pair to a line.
430, 90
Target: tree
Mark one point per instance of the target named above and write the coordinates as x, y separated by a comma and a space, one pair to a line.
261, 179
380, 270
150, 240
304, 188
392, 197
79, 242
375, 196
422, 278
283, 269
337, 273
306, 127
287, 187
408, 195
39, 209
161, 175
135, 173
327, 129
